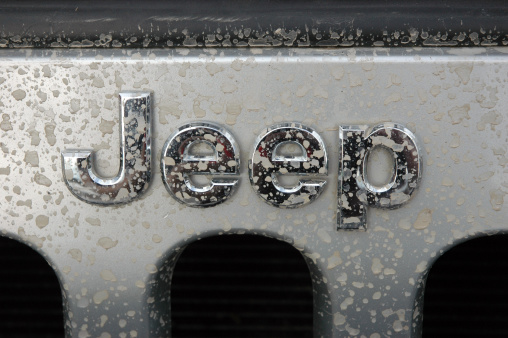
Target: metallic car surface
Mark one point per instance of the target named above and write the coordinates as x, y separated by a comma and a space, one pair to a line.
114, 262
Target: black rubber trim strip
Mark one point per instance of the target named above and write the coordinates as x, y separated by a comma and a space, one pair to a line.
229, 23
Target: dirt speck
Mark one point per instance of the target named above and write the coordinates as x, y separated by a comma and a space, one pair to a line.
393, 97
464, 72
32, 158
334, 260
107, 243
377, 266
49, 130
93, 221
100, 296
6, 125
497, 199
98, 82
106, 127
41, 221
458, 114
76, 254
423, 219
108, 276
213, 68
19, 94
46, 71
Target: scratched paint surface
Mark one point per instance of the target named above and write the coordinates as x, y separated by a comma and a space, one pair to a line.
114, 262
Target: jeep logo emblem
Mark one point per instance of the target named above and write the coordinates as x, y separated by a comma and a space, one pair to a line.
267, 165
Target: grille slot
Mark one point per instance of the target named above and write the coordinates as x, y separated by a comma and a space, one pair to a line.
30, 298
241, 285
466, 292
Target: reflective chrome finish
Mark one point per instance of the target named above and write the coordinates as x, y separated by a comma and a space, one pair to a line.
179, 164
355, 191
134, 175
267, 164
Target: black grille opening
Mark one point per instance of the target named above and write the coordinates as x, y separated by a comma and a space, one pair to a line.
466, 294
30, 297
241, 286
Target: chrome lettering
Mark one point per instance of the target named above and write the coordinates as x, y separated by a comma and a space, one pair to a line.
267, 165
179, 164
134, 173
355, 191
